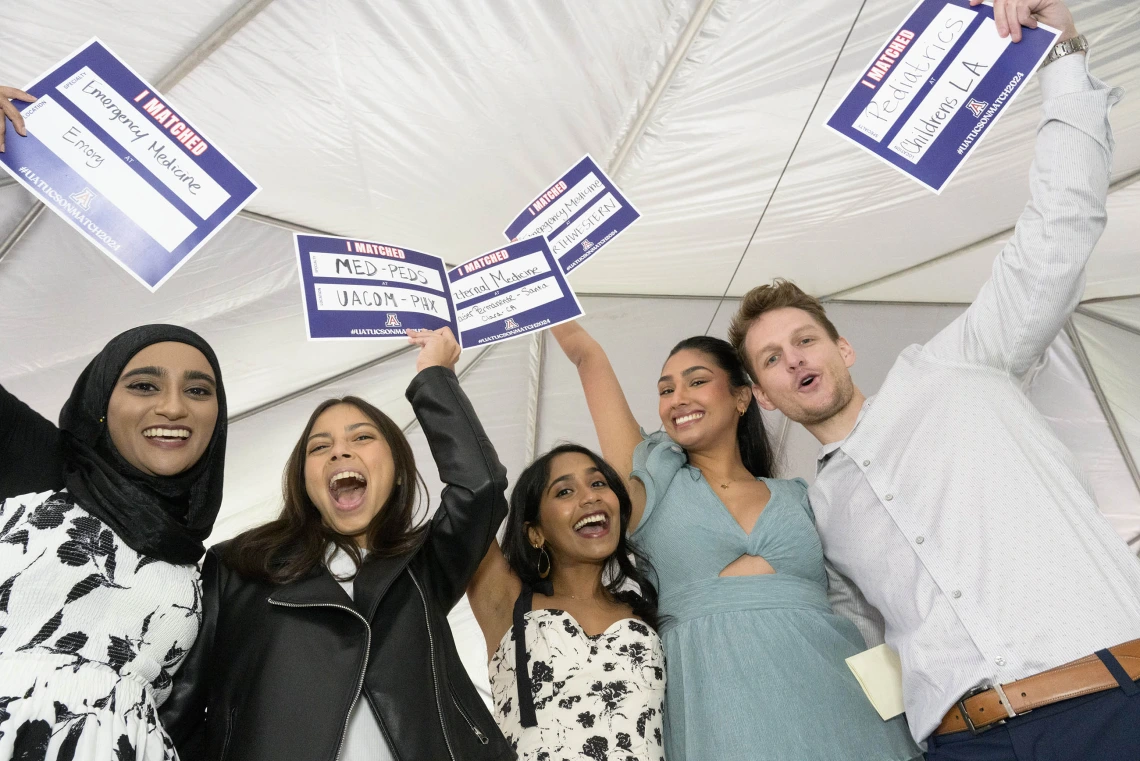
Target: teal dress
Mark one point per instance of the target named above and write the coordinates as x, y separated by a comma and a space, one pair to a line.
755, 664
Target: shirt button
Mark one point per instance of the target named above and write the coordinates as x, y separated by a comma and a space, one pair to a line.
675, 448
866, 463
889, 497
999, 661
919, 540
956, 594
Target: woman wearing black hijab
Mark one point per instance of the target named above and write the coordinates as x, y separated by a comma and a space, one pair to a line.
101, 526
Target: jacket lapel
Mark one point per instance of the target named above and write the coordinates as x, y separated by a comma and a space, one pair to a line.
373, 581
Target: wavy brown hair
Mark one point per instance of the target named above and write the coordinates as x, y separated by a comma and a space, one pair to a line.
290, 547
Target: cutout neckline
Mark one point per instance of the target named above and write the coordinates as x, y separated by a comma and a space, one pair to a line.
724, 507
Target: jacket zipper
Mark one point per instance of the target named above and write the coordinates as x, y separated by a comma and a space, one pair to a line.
431, 654
364, 666
229, 733
482, 737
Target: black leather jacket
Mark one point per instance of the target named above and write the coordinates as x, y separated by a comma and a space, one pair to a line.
277, 669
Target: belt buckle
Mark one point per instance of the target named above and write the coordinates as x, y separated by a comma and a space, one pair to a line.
975, 731
966, 714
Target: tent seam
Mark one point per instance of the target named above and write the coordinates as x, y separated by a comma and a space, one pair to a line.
788, 163
1102, 399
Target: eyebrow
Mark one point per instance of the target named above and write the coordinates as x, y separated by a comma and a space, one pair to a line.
352, 427
775, 347
199, 375
684, 373
570, 476
149, 370
160, 372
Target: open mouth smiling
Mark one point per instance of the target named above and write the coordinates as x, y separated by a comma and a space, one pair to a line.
687, 418
593, 526
163, 436
347, 488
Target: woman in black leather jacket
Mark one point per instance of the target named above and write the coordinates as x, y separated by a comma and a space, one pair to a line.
295, 661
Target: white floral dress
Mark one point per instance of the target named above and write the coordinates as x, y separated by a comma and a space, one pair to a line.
90, 634
598, 698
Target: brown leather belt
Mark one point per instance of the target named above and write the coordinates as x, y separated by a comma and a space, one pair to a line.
987, 708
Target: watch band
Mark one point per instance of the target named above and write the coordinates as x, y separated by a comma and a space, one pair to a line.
1061, 49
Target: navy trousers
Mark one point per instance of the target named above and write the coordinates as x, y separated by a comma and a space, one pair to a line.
1100, 727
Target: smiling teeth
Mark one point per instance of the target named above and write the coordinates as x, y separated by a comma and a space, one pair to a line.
689, 418
167, 433
346, 474
590, 520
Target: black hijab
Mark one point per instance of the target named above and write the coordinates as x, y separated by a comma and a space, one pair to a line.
163, 517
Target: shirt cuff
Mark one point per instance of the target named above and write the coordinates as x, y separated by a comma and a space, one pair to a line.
1066, 75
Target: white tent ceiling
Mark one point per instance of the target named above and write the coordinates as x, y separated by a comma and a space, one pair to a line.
430, 123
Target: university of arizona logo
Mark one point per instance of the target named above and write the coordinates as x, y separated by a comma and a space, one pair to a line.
392, 321
510, 324
977, 106
586, 244
84, 198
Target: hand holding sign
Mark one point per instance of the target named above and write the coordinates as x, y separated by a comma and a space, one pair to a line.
437, 348
944, 77
1011, 15
9, 113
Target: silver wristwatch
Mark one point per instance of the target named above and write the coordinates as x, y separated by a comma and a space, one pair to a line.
1062, 49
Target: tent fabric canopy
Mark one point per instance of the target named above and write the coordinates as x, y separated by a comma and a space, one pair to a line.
431, 123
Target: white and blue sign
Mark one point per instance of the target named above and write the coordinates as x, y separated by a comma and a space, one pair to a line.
939, 84
510, 292
577, 215
360, 289
120, 164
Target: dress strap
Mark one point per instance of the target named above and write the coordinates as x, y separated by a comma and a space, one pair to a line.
522, 671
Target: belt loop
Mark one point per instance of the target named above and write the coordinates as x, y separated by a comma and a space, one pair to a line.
1118, 672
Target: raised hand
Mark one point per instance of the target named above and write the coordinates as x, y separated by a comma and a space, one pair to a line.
1011, 15
9, 113
437, 347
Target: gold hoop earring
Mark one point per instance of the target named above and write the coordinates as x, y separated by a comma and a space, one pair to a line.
543, 555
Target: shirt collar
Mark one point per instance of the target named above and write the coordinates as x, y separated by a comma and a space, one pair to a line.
827, 450
339, 562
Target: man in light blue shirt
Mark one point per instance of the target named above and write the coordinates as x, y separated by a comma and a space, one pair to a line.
972, 538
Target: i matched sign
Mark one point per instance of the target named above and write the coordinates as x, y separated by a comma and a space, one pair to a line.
119, 163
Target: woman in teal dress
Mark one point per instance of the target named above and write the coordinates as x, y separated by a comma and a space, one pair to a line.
755, 655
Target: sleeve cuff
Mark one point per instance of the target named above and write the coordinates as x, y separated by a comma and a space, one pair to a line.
425, 376
1068, 75
1071, 75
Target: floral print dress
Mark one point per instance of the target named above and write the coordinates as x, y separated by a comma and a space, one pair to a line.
90, 634
599, 698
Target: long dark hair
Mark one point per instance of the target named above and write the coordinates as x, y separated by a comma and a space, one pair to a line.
626, 564
291, 546
751, 435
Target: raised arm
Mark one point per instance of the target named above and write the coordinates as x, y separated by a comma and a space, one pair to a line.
617, 429
492, 592
1038, 278
29, 449
473, 502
